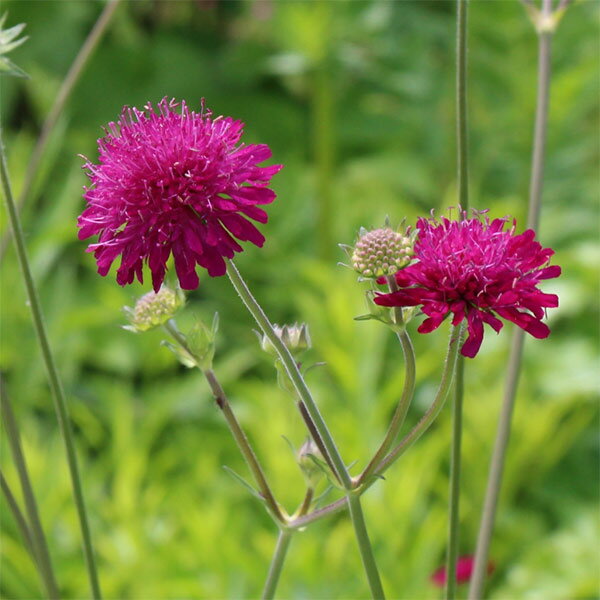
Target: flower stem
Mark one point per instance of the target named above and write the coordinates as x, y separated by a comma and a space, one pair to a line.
36, 536
234, 427
60, 102
18, 515
295, 376
60, 403
407, 391
496, 469
455, 467
463, 199
283, 543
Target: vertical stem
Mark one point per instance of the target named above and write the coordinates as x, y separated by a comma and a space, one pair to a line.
37, 538
18, 515
496, 470
463, 199
366, 552
455, 468
313, 411
60, 403
62, 97
283, 543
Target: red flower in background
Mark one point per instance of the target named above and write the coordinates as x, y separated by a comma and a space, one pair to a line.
174, 182
464, 570
474, 269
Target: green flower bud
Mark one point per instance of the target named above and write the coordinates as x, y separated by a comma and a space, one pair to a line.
153, 310
381, 252
295, 337
311, 462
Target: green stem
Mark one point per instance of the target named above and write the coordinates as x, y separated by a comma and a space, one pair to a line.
416, 432
463, 199
496, 469
407, 392
19, 518
234, 427
64, 93
283, 543
36, 537
60, 403
455, 467
295, 376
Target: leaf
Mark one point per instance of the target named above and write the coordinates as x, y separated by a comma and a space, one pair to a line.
243, 482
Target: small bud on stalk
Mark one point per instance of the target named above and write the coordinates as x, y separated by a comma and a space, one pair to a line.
311, 462
153, 310
295, 338
382, 252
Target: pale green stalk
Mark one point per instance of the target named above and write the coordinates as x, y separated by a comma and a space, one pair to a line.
405, 397
234, 427
297, 380
64, 93
20, 520
496, 470
283, 543
35, 536
58, 396
463, 200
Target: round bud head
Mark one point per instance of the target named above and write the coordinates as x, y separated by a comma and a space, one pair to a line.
381, 252
154, 309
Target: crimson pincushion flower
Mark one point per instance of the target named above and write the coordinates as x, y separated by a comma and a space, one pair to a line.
174, 182
473, 269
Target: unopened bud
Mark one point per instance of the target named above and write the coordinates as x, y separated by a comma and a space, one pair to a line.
295, 338
153, 310
310, 460
381, 252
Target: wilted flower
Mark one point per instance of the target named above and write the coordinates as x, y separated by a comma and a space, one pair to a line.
464, 570
154, 309
472, 268
381, 252
174, 182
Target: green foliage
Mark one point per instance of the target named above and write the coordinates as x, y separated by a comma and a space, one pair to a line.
167, 520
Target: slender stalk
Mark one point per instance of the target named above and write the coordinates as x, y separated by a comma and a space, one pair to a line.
18, 515
463, 199
416, 432
234, 427
406, 396
36, 532
455, 468
283, 543
60, 102
305, 396
308, 498
496, 470
60, 403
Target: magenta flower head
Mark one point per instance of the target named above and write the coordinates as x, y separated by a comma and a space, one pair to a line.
473, 269
464, 571
172, 181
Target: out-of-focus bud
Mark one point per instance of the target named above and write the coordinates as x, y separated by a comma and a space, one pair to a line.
382, 252
201, 342
153, 310
295, 337
311, 462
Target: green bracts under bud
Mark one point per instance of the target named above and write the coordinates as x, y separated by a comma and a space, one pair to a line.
295, 337
312, 463
153, 310
382, 252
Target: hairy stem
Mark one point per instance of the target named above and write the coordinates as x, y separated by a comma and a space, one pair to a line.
496, 469
406, 396
234, 427
34, 533
60, 403
305, 396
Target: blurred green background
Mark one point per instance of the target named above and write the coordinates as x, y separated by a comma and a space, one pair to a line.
356, 99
